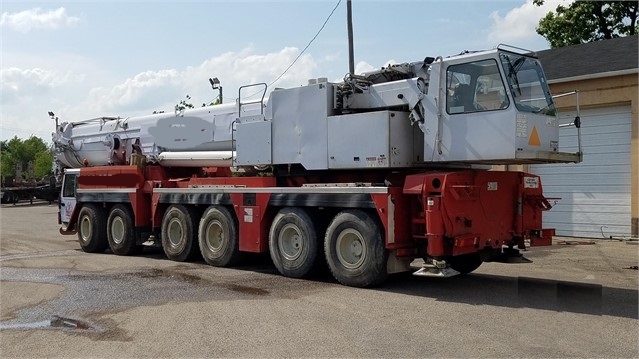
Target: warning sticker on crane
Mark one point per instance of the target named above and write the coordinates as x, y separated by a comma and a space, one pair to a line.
522, 126
534, 138
531, 182
375, 161
248, 215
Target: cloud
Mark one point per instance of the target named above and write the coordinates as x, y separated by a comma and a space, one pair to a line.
76, 94
27, 94
331, 57
363, 66
143, 89
269, 67
161, 90
36, 18
17, 83
520, 23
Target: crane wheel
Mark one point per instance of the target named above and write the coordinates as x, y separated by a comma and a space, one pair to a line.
178, 233
92, 229
354, 249
121, 231
293, 243
218, 237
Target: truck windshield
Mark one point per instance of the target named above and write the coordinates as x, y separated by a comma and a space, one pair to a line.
527, 84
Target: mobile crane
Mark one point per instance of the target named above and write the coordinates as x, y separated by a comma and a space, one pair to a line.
367, 175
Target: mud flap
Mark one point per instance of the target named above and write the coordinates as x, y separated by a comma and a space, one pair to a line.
64, 231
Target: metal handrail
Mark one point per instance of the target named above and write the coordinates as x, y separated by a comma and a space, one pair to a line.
577, 120
260, 101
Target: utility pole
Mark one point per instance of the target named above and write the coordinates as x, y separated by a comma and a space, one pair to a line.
349, 19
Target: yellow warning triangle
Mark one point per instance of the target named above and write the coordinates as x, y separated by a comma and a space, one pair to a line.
534, 138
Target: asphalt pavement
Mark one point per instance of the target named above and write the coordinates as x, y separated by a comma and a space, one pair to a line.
579, 298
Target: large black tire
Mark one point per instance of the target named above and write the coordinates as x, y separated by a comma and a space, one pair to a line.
293, 243
92, 229
178, 233
121, 231
354, 249
465, 263
218, 237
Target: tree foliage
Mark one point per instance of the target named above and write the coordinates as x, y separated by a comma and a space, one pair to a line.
217, 101
588, 21
184, 104
32, 154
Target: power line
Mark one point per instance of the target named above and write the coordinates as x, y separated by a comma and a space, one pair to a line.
307, 46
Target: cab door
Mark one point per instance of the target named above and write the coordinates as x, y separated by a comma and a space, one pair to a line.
67, 196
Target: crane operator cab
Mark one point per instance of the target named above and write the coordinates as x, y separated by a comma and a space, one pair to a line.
487, 107
497, 109
477, 86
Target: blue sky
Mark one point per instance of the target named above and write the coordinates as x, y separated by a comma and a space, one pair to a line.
86, 59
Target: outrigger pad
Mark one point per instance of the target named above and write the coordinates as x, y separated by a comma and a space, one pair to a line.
432, 271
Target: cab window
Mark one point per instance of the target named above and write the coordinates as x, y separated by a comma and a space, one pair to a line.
475, 87
70, 184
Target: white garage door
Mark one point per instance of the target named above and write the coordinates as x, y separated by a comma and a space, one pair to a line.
595, 194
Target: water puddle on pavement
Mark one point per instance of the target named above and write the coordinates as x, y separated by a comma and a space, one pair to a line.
35, 325
103, 292
55, 322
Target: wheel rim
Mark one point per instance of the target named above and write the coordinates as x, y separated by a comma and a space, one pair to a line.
175, 232
117, 230
289, 242
85, 228
351, 249
214, 236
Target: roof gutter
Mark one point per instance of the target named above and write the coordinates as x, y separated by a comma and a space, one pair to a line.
595, 76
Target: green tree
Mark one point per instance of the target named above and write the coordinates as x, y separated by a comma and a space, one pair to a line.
217, 101
588, 21
184, 104
7, 166
32, 151
42, 165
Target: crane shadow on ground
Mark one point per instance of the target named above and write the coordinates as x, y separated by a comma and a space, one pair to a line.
474, 289
521, 292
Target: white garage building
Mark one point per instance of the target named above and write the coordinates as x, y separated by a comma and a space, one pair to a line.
600, 196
